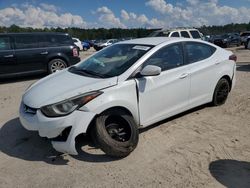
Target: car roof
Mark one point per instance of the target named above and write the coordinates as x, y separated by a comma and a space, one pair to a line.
152, 40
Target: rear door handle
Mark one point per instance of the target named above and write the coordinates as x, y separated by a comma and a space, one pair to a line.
8, 56
217, 63
44, 53
184, 75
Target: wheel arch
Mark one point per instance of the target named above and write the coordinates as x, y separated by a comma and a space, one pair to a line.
126, 110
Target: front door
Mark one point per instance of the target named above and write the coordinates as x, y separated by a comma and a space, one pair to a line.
167, 94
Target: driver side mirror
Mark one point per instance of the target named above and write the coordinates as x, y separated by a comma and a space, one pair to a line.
150, 70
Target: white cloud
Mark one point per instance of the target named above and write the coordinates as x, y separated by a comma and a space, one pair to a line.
160, 5
197, 13
39, 17
48, 7
108, 19
131, 20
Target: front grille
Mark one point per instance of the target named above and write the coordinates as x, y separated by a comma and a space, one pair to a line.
29, 110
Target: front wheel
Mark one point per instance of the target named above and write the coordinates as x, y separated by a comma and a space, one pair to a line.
248, 44
221, 92
116, 133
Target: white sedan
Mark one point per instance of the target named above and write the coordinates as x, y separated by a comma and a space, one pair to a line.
124, 87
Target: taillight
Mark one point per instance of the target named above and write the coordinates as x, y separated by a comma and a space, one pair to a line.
75, 52
233, 57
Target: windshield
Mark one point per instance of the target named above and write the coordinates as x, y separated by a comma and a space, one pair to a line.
111, 61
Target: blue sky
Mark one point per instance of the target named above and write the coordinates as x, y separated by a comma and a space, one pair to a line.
124, 14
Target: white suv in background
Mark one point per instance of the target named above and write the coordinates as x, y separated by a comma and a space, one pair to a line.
178, 32
78, 43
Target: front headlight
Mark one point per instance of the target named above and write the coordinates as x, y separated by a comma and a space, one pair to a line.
68, 106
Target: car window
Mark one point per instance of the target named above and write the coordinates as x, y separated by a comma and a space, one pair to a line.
26, 41
167, 58
195, 34
55, 40
5, 43
175, 34
185, 34
198, 51
74, 40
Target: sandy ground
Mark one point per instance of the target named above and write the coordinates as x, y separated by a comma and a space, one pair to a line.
205, 147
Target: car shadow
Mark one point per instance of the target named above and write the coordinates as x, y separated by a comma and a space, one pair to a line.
231, 173
15, 141
243, 67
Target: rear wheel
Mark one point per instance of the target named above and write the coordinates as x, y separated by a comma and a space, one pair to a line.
116, 133
221, 92
56, 65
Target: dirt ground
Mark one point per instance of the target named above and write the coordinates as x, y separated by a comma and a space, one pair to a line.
204, 147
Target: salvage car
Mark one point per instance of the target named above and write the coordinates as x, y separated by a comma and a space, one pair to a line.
124, 87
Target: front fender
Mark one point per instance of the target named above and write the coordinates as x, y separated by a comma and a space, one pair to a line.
122, 95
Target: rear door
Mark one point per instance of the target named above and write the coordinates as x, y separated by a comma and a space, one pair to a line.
29, 55
202, 68
7, 56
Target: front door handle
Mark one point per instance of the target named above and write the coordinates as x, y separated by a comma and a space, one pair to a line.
44, 53
184, 75
8, 56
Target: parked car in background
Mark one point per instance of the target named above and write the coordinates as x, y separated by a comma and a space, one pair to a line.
245, 39
90, 42
127, 86
227, 40
178, 32
78, 43
85, 46
104, 43
33, 53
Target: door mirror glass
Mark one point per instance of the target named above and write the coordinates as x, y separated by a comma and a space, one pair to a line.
150, 70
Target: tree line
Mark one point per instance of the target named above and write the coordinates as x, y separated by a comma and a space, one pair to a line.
103, 33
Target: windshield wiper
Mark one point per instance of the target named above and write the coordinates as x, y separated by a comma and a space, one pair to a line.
85, 72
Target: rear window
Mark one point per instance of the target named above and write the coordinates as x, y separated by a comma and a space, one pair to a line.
185, 34
5, 43
175, 34
195, 34
198, 51
49, 40
26, 41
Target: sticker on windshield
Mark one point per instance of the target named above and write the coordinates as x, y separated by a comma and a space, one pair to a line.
137, 47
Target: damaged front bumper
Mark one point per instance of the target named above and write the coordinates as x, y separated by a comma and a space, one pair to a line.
69, 126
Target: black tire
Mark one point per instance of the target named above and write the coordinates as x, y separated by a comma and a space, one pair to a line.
116, 133
221, 92
56, 64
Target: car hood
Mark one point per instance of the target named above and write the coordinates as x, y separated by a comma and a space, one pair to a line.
62, 85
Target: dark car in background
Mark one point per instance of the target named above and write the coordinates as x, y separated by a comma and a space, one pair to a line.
226, 40
34, 53
245, 39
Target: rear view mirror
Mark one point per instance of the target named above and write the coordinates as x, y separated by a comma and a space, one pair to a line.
151, 70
